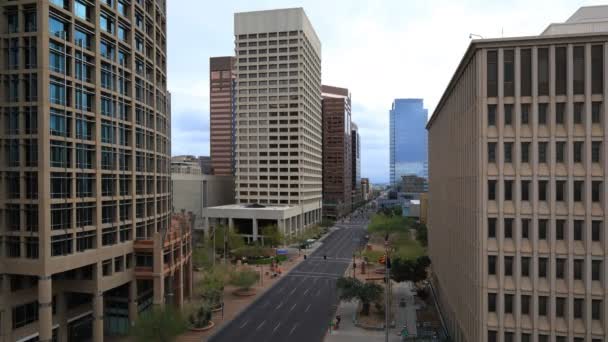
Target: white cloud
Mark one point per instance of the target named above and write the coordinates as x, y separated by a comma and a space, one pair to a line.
380, 50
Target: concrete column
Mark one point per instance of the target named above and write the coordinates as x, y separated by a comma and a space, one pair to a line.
179, 295
45, 308
188, 281
98, 316
206, 227
231, 223
255, 229
158, 267
133, 302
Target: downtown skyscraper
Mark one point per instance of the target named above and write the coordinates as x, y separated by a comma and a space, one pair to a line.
408, 139
85, 134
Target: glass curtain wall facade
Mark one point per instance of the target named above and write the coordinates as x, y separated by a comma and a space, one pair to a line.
408, 139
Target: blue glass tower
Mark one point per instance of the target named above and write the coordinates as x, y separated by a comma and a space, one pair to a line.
408, 138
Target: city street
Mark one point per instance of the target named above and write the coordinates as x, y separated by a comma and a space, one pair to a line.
301, 305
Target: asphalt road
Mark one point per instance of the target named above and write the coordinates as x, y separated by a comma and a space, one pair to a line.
300, 306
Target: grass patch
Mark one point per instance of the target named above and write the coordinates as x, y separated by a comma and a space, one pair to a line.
381, 223
373, 255
266, 261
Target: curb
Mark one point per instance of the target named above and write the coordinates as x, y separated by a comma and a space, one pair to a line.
221, 328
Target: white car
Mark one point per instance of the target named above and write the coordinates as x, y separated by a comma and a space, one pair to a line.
310, 240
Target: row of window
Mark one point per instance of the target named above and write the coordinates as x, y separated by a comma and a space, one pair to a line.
527, 337
561, 77
561, 271
579, 115
559, 148
559, 307
561, 190
559, 229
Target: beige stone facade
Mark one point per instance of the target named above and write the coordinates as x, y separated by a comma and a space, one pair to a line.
85, 171
517, 200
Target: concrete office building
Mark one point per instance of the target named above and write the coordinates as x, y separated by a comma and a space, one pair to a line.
365, 188
408, 139
413, 183
192, 191
517, 200
85, 169
356, 194
337, 152
205, 164
222, 114
278, 123
186, 164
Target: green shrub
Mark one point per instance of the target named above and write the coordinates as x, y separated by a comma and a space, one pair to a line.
201, 317
244, 279
159, 325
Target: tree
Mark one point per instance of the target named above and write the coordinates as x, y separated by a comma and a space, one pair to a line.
398, 211
234, 240
244, 279
413, 270
200, 258
272, 235
201, 317
422, 234
159, 325
351, 288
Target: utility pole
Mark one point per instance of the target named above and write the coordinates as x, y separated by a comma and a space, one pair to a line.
387, 287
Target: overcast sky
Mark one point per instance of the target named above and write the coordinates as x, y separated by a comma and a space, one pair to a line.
380, 50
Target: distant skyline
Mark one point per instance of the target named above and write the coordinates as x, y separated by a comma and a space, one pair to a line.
380, 50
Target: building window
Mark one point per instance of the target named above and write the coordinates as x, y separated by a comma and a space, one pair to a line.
525, 266
61, 244
492, 336
543, 71
508, 266
560, 307
508, 114
525, 152
525, 304
508, 190
509, 72
25, 314
578, 191
31, 247
596, 151
82, 10
525, 228
525, 190
578, 113
596, 270
579, 69
85, 240
542, 267
542, 190
578, 230
596, 191
560, 268
559, 229
560, 113
596, 230
542, 229
525, 114
108, 236
492, 302
508, 152
492, 190
492, 73
542, 152
579, 304
597, 69
578, 269
542, 113
491, 115
596, 310
491, 227
560, 187
560, 151
61, 216
561, 70
542, 305
508, 222
58, 28
492, 152
508, 303
491, 264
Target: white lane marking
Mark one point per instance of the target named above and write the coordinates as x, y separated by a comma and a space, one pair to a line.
278, 306
292, 329
244, 324
275, 328
308, 307
292, 291
293, 307
305, 292
259, 326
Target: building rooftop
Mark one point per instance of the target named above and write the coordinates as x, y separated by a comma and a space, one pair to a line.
589, 19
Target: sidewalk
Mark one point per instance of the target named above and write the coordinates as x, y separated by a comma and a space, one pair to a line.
403, 315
